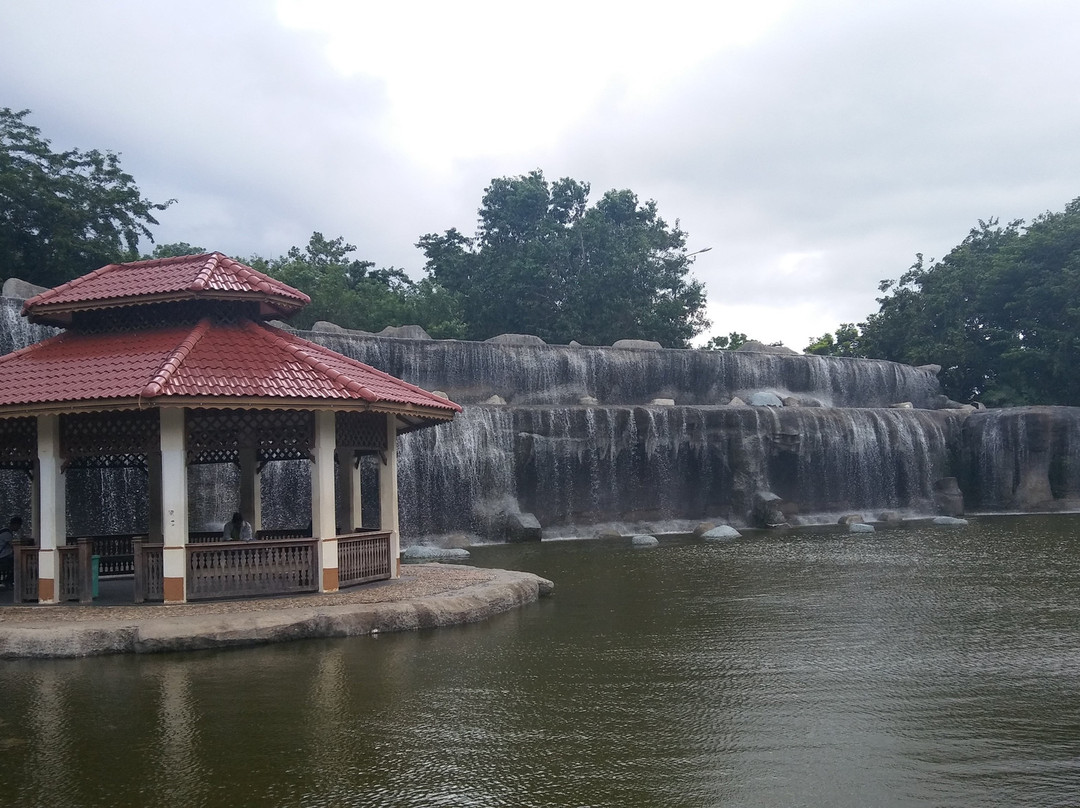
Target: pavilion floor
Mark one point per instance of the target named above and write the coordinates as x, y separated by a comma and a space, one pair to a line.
425, 596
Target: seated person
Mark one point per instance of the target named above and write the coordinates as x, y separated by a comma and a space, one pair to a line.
7, 551
237, 529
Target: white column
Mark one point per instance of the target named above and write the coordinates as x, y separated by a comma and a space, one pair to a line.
388, 495
153, 470
356, 504
52, 508
250, 499
174, 502
322, 500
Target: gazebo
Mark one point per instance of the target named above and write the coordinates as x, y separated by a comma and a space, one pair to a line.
169, 363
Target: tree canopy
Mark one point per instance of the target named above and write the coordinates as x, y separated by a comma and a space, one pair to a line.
63, 214
353, 294
544, 262
1000, 313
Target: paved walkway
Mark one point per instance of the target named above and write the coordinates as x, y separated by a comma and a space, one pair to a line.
425, 596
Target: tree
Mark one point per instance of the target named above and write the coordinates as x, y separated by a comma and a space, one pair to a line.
63, 214
353, 294
732, 342
543, 262
174, 250
847, 342
1000, 313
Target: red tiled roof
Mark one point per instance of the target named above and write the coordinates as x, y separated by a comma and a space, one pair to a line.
211, 275
247, 360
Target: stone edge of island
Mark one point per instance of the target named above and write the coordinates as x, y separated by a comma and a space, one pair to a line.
223, 628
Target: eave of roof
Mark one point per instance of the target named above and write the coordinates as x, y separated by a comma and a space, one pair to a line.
209, 364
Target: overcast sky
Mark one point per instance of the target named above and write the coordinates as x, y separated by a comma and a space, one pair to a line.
815, 146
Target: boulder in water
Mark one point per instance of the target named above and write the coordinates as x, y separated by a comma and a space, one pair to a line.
423, 551
522, 527
641, 540
721, 533
949, 520
860, 527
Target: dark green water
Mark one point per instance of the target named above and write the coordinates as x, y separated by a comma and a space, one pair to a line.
918, 667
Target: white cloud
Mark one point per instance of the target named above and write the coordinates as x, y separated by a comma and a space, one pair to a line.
815, 146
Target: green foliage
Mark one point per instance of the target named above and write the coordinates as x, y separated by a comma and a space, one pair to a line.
543, 262
63, 214
174, 250
353, 294
732, 342
846, 342
1000, 313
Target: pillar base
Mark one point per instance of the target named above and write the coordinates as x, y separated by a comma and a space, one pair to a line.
46, 590
330, 580
173, 590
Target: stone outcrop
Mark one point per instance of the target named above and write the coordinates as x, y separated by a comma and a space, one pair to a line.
20, 289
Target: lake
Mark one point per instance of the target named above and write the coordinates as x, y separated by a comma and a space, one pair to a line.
922, 666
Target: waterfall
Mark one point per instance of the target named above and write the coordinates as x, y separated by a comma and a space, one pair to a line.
554, 452
472, 372
1024, 458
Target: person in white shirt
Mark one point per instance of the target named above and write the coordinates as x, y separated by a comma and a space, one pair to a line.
237, 529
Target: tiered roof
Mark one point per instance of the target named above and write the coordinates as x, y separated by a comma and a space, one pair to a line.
214, 362
210, 276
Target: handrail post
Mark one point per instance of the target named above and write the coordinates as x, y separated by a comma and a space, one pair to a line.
86, 574
139, 576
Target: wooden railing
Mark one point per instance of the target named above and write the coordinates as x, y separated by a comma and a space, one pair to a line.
363, 557
115, 554
252, 568
25, 586
216, 569
149, 571
74, 573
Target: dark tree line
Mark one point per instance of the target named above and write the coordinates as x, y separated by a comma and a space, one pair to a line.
1000, 313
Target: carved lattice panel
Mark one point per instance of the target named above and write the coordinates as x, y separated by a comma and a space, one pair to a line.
215, 436
110, 439
285, 434
18, 442
362, 430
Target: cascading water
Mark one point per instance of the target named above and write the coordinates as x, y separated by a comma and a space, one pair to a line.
579, 444
1023, 459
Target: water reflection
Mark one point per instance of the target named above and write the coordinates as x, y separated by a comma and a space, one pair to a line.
921, 667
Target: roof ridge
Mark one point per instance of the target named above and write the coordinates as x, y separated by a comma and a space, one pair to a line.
156, 386
202, 279
415, 388
278, 339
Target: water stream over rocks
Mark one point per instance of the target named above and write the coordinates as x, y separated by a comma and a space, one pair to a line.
578, 440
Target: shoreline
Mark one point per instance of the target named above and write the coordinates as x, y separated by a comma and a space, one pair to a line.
425, 596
